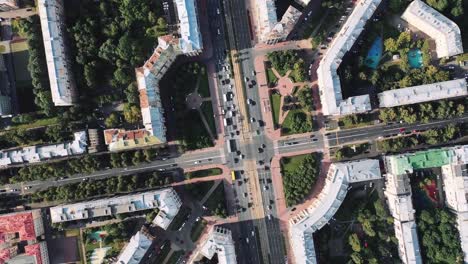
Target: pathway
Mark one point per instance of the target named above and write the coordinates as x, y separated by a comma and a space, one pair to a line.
212, 189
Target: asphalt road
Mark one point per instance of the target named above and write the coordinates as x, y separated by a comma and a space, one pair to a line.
350, 136
184, 161
261, 238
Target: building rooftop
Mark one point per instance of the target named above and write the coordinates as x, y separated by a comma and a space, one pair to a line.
267, 19
22, 228
398, 193
62, 84
220, 242
115, 205
327, 203
34, 154
423, 93
190, 40
169, 206
120, 139
282, 29
445, 32
408, 244
434, 158
328, 80
455, 178
136, 249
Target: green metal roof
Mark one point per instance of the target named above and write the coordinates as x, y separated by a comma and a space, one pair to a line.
401, 164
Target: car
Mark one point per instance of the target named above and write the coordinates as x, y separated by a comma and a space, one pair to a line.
252, 120
253, 233
13, 190
239, 183
253, 73
198, 219
254, 82
85, 179
260, 150
269, 207
261, 162
246, 194
247, 240
314, 139
217, 11
269, 216
161, 169
263, 146
196, 162
265, 187
401, 130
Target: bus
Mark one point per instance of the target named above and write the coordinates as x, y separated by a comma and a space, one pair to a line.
234, 175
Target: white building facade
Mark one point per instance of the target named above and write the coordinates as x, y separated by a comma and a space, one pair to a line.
136, 249
326, 204
455, 178
444, 31
398, 194
220, 242
166, 200
423, 93
62, 83
34, 154
329, 82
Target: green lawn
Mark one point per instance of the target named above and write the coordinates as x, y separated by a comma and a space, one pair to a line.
271, 77
204, 88
275, 100
197, 136
38, 123
198, 190
289, 164
20, 62
203, 173
287, 127
207, 110
176, 255
216, 203
197, 230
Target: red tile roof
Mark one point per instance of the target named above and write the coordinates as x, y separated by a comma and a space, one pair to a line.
112, 135
22, 224
34, 250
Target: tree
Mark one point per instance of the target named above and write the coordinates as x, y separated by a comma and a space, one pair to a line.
438, 4
89, 73
122, 76
305, 98
132, 113
112, 121
403, 39
390, 45
107, 51
396, 6
356, 257
354, 242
